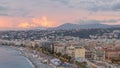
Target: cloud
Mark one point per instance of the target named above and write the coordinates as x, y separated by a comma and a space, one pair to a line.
26, 25
9, 11
8, 8
4, 11
33, 7
111, 21
116, 6
1, 14
64, 2
36, 22
98, 21
59, 11
2, 8
106, 6
92, 5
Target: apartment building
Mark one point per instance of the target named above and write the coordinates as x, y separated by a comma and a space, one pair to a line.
75, 51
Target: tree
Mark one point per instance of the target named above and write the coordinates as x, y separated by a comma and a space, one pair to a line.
59, 54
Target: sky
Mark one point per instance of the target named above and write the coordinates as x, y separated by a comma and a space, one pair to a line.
22, 14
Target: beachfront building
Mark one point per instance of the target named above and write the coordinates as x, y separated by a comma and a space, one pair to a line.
89, 54
99, 55
60, 49
113, 53
75, 51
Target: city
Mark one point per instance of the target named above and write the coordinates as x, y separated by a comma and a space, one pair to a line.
59, 33
72, 52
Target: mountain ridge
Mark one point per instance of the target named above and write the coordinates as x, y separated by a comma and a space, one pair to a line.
83, 26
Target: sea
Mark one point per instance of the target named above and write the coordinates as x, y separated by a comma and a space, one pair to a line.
11, 58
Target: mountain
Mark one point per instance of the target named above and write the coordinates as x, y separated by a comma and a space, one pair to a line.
94, 25
67, 26
82, 26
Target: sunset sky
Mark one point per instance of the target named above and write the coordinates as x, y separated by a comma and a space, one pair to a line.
19, 14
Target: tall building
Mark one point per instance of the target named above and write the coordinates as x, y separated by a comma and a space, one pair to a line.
75, 51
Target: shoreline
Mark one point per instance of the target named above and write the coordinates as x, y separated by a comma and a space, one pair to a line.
28, 59
31, 58
30, 62
20, 54
36, 62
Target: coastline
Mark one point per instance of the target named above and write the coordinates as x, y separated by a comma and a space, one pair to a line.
36, 62
18, 52
30, 62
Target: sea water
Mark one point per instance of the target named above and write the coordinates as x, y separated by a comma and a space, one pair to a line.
11, 58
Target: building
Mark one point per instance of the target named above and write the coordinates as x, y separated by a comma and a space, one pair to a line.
89, 55
60, 49
75, 51
112, 53
99, 55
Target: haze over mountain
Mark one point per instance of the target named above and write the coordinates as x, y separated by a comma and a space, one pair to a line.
69, 26
83, 26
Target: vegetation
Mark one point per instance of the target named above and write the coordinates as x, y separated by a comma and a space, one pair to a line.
116, 61
81, 65
63, 58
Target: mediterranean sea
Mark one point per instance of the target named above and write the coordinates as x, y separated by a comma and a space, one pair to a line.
11, 58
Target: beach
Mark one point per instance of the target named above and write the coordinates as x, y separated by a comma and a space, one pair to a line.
35, 59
